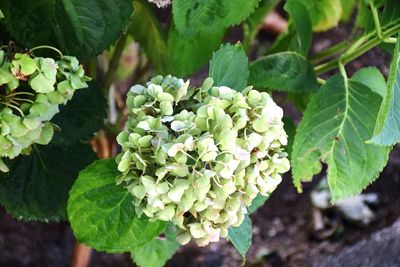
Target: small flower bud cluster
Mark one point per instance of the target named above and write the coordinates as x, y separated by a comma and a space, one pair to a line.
198, 157
31, 89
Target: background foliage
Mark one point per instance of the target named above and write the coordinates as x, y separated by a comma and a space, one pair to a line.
349, 123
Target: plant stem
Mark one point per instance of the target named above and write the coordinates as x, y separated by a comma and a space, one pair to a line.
377, 23
23, 100
342, 70
329, 51
46, 47
81, 255
356, 50
19, 93
113, 66
12, 106
321, 81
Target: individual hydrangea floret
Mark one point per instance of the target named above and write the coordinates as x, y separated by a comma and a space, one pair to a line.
199, 156
31, 90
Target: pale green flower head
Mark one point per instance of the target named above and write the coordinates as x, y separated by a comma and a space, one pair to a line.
31, 90
199, 156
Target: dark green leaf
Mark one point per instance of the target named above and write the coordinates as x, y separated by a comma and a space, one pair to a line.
302, 25
102, 215
387, 129
193, 16
230, 67
258, 202
241, 236
325, 14
82, 116
188, 54
389, 17
158, 251
339, 119
147, 31
290, 129
299, 100
391, 13
287, 71
388, 48
254, 22
348, 8
286, 41
364, 17
372, 78
79, 27
36, 188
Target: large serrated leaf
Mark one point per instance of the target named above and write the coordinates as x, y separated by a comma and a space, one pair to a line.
229, 66
188, 54
391, 13
339, 119
36, 188
286, 71
102, 215
82, 117
325, 14
372, 78
158, 251
241, 236
79, 27
300, 21
254, 22
257, 203
348, 8
192, 16
387, 130
147, 31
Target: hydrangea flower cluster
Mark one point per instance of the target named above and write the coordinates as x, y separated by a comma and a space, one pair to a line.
198, 157
31, 89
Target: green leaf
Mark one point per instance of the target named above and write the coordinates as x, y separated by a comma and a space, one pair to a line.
36, 188
147, 31
82, 116
364, 17
325, 14
372, 78
230, 67
387, 129
254, 22
188, 54
193, 16
347, 7
391, 13
389, 17
79, 27
257, 203
290, 129
241, 236
339, 119
286, 71
102, 215
158, 251
300, 20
